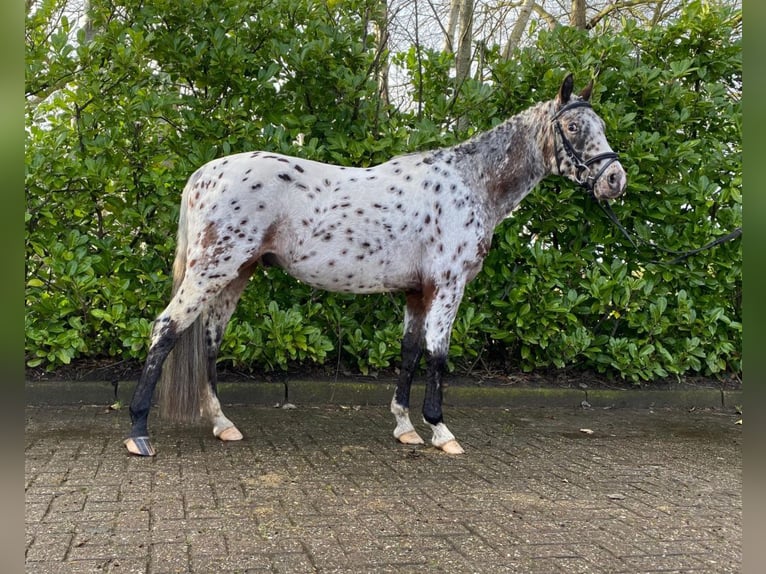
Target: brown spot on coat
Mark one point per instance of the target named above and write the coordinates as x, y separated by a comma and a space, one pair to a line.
209, 236
419, 300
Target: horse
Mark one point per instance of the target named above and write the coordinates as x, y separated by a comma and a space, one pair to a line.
420, 224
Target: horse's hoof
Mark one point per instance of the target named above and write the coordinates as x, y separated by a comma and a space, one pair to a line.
452, 447
229, 434
139, 445
410, 437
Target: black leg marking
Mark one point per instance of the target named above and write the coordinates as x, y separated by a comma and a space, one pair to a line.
412, 342
432, 404
412, 350
142, 396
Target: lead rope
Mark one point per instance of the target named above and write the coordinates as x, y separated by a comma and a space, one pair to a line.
680, 255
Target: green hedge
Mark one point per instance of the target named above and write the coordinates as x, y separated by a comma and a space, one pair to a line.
116, 124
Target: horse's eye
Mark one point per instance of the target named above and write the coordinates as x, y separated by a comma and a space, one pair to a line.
572, 127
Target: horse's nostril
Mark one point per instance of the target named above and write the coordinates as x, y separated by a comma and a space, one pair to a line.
612, 178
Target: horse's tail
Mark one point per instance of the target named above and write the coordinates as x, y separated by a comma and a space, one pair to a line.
184, 377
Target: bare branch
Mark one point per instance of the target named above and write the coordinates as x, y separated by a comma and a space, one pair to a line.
547, 16
617, 6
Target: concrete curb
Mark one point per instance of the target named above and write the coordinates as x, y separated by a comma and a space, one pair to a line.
301, 392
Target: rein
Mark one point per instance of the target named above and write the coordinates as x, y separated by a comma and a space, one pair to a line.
582, 166
680, 255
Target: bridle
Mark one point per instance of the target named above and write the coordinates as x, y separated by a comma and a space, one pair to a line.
582, 167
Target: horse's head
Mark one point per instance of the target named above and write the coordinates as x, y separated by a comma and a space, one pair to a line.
582, 152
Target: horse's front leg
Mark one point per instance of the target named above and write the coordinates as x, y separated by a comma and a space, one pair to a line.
442, 438
412, 349
440, 317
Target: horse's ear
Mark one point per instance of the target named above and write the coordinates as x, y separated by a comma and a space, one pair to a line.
565, 91
586, 91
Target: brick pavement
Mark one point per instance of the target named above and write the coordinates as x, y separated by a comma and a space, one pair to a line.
326, 489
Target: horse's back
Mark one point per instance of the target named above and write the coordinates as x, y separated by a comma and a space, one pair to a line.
338, 228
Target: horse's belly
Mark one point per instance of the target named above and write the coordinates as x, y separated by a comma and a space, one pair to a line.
352, 275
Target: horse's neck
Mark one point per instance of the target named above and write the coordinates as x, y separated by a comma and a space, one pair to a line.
508, 161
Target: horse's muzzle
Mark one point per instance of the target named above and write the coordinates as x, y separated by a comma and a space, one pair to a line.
612, 183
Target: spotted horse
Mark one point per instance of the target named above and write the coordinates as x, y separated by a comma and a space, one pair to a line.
420, 224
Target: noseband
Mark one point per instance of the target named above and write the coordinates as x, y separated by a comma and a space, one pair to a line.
582, 175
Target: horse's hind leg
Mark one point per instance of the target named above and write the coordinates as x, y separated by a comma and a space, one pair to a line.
176, 318
223, 428
412, 350
216, 318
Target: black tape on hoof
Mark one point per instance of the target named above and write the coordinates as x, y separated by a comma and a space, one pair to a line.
140, 446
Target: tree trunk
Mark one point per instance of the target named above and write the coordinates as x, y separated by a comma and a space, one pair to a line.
463, 54
578, 14
380, 20
465, 37
518, 28
449, 39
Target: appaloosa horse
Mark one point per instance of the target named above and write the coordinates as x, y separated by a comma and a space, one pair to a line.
421, 223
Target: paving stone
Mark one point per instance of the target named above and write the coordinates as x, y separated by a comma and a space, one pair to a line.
326, 489
49, 547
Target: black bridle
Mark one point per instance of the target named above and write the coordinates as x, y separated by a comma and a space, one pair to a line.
582, 166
